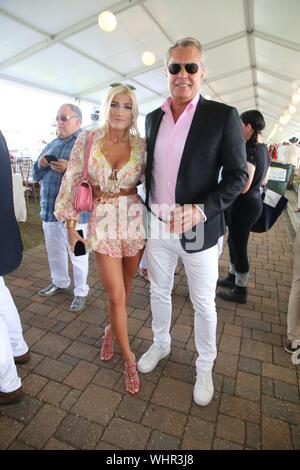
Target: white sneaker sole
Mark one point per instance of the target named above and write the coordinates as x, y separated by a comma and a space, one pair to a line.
146, 370
42, 294
78, 309
203, 403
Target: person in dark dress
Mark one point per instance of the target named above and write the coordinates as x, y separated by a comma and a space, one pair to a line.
245, 210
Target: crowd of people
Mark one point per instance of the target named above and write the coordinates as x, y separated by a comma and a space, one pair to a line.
202, 166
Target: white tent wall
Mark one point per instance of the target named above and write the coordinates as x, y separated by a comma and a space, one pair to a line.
252, 50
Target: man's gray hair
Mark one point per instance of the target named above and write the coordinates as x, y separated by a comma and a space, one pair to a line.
185, 42
75, 109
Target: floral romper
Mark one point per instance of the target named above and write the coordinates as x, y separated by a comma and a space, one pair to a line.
116, 224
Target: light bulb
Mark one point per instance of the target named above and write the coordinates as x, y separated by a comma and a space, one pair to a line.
296, 98
284, 119
148, 58
107, 21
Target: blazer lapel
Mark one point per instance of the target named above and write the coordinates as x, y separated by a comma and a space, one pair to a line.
152, 127
196, 131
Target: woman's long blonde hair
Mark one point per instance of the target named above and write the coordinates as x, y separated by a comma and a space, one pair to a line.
120, 90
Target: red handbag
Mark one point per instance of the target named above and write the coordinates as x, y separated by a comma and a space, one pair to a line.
84, 195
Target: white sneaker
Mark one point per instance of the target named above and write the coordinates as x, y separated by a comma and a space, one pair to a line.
204, 388
151, 358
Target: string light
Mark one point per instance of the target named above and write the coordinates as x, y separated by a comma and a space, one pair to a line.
296, 98
292, 109
285, 119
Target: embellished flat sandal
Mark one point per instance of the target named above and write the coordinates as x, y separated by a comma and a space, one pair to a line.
132, 381
107, 348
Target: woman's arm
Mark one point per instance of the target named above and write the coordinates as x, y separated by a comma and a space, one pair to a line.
251, 171
65, 201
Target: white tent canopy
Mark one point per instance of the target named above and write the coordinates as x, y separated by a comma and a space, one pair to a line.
252, 60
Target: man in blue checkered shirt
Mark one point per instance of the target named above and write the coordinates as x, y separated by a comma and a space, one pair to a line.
50, 176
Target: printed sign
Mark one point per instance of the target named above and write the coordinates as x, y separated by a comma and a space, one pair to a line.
277, 174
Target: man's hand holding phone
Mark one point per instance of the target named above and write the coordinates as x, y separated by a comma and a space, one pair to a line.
45, 160
43, 163
51, 158
56, 164
59, 165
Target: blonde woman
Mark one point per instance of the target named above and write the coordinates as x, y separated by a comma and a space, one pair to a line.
115, 231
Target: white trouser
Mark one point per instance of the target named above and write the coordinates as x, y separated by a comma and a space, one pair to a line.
293, 316
57, 246
11, 341
141, 193
202, 272
220, 246
143, 262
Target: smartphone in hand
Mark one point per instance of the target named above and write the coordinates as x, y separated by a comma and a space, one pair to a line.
51, 158
79, 248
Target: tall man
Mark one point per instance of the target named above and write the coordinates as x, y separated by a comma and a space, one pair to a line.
188, 140
50, 174
13, 348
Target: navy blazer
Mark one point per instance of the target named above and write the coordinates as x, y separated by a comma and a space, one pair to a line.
11, 247
215, 140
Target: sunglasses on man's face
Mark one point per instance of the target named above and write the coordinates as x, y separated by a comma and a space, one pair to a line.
190, 68
64, 117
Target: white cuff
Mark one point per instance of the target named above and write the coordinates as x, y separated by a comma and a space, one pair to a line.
203, 216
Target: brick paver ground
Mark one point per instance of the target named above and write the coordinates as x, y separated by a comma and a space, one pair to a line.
74, 401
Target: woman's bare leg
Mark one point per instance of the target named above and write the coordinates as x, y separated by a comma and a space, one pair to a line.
130, 267
111, 276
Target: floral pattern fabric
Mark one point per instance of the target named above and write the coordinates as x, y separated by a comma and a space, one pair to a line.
116, 224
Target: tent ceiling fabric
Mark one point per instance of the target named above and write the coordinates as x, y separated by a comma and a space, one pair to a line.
252, 58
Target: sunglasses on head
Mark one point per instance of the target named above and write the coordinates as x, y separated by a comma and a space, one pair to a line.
190, 68
131, 87
64, 117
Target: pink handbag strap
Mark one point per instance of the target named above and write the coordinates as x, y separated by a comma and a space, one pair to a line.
87, 155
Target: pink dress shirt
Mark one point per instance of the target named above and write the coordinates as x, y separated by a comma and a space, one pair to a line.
168, 152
